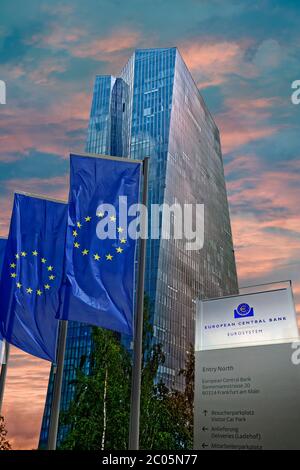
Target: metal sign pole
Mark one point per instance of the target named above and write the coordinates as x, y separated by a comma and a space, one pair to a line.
3, 373
134, 429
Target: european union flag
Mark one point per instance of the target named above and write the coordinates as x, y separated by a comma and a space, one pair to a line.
100, 254
30, 290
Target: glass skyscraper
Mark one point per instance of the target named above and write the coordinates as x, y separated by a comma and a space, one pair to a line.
155, 110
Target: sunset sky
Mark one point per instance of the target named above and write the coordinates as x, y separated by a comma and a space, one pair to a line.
243, 56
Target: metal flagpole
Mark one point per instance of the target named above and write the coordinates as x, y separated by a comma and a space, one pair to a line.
134, 427
57, 386
3, 373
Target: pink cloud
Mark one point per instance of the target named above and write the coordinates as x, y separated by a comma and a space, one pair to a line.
263, 256
41, 75
104, 48
269, 190
5, 214
253, 107
245, 163
57, 37
234, 136
245, 120
212, 61
46, 130
79, 43
265, 221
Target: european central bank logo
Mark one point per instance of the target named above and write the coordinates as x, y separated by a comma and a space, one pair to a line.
243, 310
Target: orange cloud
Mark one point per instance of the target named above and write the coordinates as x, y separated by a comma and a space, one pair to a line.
24, 398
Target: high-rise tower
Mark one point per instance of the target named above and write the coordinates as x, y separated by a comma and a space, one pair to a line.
155, 109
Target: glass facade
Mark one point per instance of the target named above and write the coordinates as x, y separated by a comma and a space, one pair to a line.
99, 131
154, 110
108, 132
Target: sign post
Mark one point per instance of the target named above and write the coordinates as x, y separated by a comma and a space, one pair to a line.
246, 382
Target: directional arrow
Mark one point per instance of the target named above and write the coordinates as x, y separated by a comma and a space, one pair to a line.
204, 429
204, 445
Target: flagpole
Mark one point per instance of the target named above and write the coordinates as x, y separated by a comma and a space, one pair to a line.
134, 427
3, 373
57, 386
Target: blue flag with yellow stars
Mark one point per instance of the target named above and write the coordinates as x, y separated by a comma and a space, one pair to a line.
30, 289
100, 253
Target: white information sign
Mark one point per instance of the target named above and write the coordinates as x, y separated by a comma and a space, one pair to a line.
247, 373
257, 318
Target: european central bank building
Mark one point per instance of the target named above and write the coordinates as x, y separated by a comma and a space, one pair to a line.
154, 109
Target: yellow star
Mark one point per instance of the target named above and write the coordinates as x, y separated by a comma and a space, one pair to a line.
43, 260
79, 225
88, 218
12, 265
23, 253
96, 257
120, 229
39, 292
100, 214
17, 256
51, 277
50, 268
123, 240
35, 253
112, 218
77, 245
19, 285
85, 252
47, 287
109, 257
75, 233
119, 250
29, 290
13, 275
